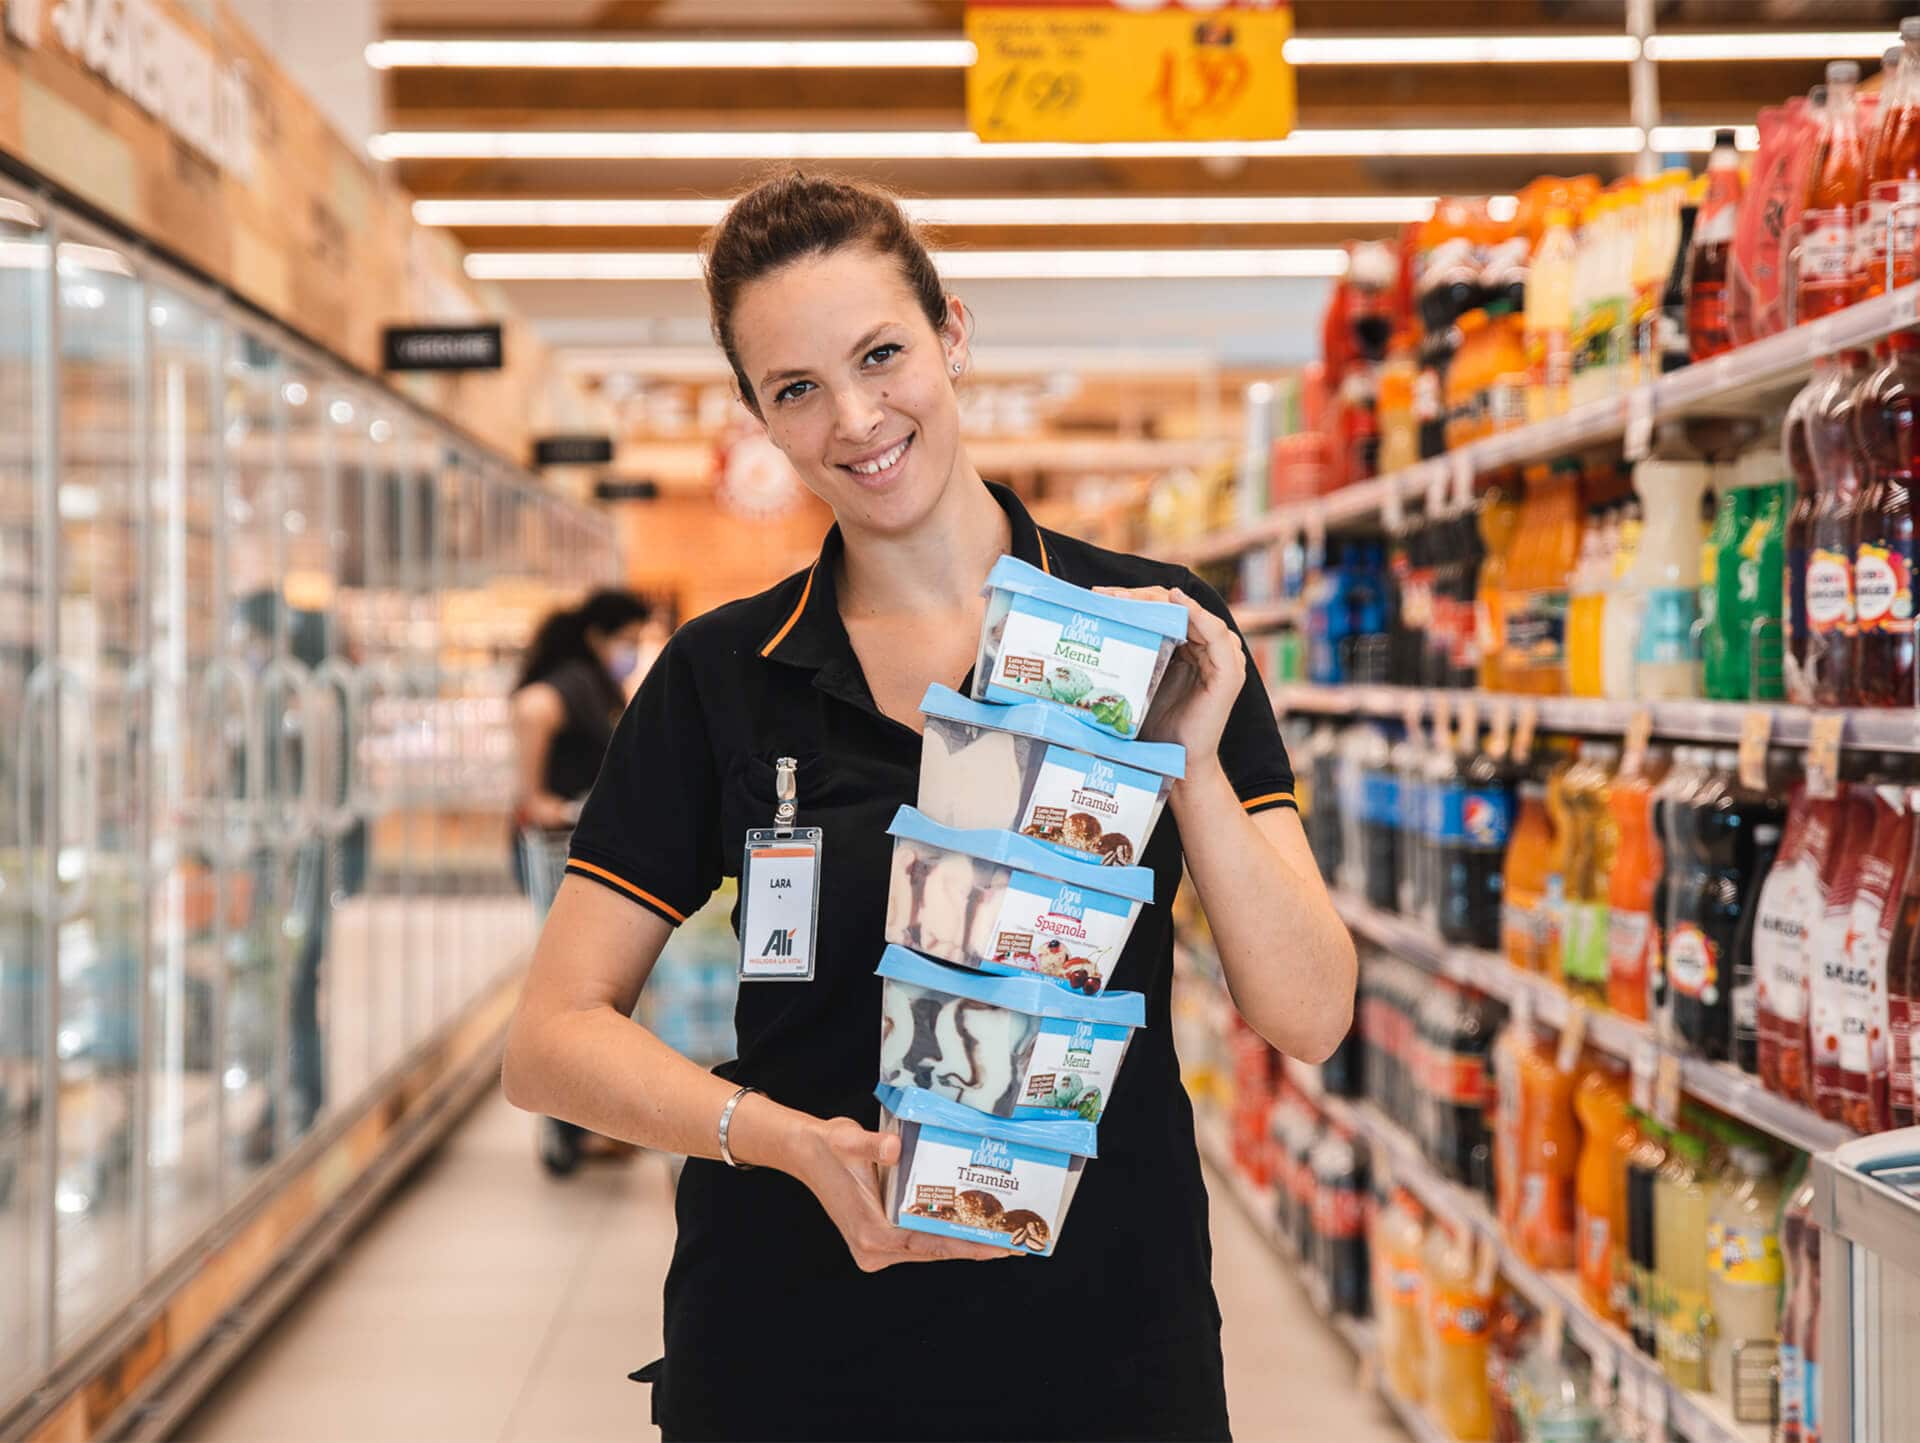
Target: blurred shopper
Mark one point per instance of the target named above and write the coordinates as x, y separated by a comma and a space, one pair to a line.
785, 1314
571, 691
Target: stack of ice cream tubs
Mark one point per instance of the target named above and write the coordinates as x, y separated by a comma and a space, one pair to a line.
1014, 888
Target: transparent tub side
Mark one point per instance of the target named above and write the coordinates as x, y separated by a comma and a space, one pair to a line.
945, 904
975, 777
993, 627
966, 1051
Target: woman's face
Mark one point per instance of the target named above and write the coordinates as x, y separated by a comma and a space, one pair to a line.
619, 651
855, 386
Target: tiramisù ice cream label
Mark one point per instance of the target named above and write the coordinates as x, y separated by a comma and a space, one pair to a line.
1070, 935
1092, 808
969, 1187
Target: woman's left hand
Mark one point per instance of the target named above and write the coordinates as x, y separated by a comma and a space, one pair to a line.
1203, 679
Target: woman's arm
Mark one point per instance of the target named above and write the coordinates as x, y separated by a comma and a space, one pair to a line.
1288, 959
573, 1052
539, 712
1289, 962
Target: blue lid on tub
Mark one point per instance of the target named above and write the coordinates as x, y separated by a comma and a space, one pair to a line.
1023, 854
910, 1104
1050, 724
1163, 618
1030, 995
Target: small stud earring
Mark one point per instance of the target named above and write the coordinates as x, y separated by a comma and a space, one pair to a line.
956, 368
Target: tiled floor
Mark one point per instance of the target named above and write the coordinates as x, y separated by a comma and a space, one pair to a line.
490, 1305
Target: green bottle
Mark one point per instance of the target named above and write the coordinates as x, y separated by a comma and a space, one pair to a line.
1740, 579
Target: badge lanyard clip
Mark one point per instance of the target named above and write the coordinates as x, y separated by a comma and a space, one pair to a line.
780, 889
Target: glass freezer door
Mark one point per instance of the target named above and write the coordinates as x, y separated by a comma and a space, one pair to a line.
26, 520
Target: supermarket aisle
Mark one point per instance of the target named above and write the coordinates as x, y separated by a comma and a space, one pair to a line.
489, 1305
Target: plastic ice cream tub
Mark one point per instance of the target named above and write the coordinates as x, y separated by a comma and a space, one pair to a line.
963, 1174
1099, 658
1006, 904
1034, 770
1011, 1046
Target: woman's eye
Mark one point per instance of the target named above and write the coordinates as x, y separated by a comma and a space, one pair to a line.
793, 391
883, 353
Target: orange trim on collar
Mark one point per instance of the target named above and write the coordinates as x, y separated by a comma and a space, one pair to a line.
1045, 565
1269, 797
574, 864
781, 635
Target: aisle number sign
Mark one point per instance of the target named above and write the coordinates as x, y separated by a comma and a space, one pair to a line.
1136, 70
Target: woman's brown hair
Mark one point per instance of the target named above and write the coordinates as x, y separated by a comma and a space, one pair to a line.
795, 216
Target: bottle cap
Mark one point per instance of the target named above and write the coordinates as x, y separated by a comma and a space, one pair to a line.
1843, 72
1723, 137
1910, 28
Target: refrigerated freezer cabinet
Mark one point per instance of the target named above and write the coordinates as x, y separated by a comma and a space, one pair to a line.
257, 614
1867, 1204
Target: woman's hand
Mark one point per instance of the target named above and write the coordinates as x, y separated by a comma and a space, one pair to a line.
840, 1162
1203, 679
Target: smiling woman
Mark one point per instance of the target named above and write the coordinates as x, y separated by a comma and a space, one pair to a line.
786, 1315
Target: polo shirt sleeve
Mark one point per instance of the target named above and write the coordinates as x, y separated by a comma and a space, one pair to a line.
1251, 752
650, 829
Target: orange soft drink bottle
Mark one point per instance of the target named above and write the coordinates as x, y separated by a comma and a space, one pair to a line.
1636, 868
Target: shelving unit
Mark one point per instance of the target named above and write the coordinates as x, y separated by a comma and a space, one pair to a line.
1715, 1083
1699, 1417
1719, 722
1741, 383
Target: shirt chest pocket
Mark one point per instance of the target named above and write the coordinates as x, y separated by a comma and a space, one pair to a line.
847, 801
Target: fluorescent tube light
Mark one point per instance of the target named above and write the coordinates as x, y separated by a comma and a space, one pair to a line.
953, 265
1460, 49
1677, 138
926, 54
965, 211
1779, 45
964, 145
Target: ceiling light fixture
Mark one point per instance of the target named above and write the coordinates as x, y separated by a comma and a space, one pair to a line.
959, 211
1776, 45
1460, 49
1676, 139
964, 145
953, 265
852, 54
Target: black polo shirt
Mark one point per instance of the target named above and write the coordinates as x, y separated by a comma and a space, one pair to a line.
771, 1331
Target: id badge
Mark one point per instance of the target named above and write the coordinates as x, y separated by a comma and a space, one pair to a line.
780, 908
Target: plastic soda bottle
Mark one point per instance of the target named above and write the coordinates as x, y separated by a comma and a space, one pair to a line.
1744, 1277
1891, 210
1403, 1317
1643, 1166
1522, 912
1549, 1159
1587, 601
1836, 183
1830, 604
1630, 884
1800, 1320
1583, 953
1499, 519
1680, 1211
1794, 442
1600, 1105
1460, 1310
1711, 249
1549, 317
1668, 575
1884, 417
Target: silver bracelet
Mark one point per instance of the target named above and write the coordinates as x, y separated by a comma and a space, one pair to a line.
726, 1127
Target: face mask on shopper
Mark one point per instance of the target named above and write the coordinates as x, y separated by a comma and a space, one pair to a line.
622, 661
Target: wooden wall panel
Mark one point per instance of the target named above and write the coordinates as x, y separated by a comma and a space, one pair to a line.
315, 234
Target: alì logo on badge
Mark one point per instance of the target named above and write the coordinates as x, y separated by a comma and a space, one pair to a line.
172, 75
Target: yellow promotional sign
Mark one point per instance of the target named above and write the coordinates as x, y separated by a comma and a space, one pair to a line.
1138, 70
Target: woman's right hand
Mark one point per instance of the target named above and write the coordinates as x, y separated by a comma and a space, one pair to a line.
840, 1162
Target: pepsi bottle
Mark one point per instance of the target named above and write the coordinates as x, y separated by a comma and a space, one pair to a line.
1470, 848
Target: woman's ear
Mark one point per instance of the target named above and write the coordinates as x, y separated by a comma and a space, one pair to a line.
956, 336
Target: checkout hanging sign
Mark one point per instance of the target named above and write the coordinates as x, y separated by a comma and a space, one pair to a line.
1135, 70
